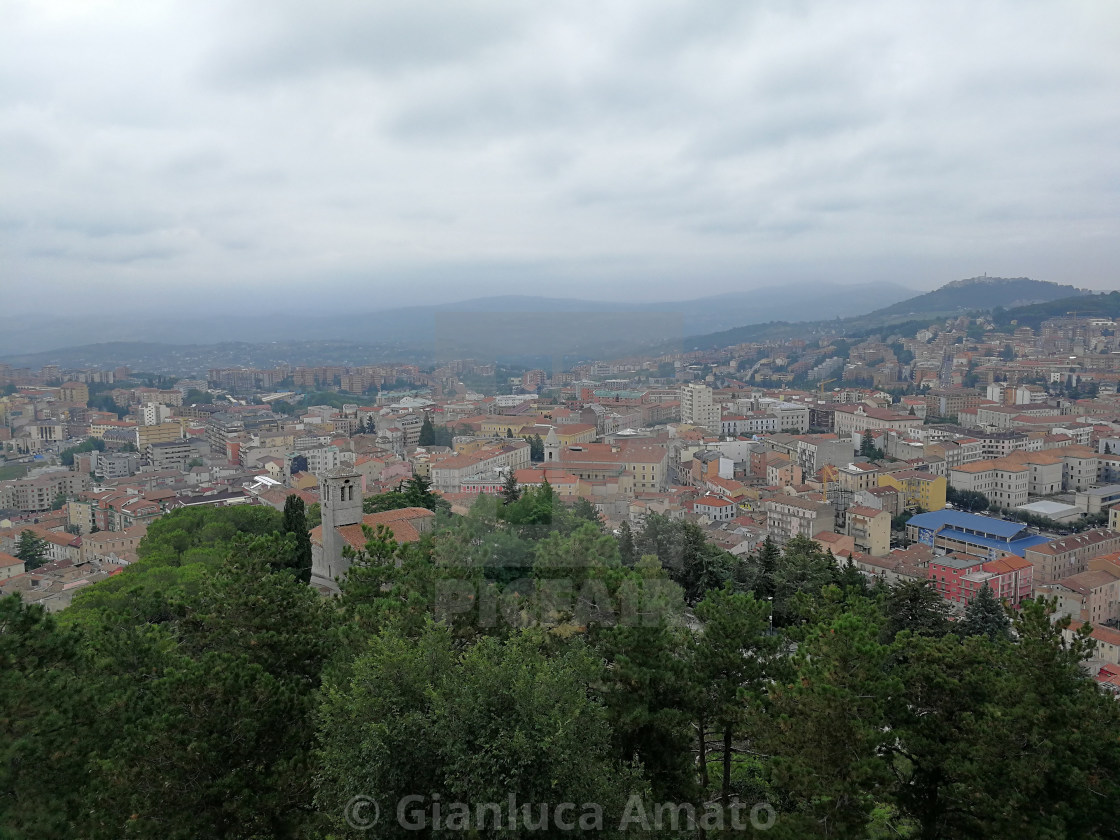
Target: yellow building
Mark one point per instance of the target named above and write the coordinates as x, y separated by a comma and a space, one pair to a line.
917, 489
506, 426
74, 392
573, 433
160, 433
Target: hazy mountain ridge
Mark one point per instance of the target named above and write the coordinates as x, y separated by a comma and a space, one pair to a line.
547, 331
974, 294
431, 327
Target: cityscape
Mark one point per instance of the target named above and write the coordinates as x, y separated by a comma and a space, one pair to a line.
497, 421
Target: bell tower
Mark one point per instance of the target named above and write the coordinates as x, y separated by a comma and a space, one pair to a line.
551, 446
340, 500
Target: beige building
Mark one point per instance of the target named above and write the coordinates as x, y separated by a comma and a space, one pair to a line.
10, 566
38, 494
870, 530
158, 433
1092, 596
1068, 556
1003, 482
847, 419
648, 464
114, 547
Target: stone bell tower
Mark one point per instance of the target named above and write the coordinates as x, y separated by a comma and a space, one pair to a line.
551, 446
340, 500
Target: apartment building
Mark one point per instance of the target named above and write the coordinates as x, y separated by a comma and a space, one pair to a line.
38, 494
1003, 482
849, 419
792, 417
1058, 559
158, 433
815, 451
1010, 578
859, 475
114, 547
697, 408
450, 471
752, 423
1092, 596
916, 488
152, 414
715, 508
790, 516
172, 455
647, 463
1007, 416
870, 529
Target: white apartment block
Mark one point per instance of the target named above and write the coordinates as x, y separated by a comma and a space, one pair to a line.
754, 423
788, 517
697, 408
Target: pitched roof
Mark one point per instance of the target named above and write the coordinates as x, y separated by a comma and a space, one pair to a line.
399, 521
860, 510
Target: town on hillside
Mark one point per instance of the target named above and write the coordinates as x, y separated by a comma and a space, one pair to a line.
964, 454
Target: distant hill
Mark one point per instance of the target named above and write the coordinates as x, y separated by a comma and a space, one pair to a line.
511, 325
1101, 306
975, 294
542, 332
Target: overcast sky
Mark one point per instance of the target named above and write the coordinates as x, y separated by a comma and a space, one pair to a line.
391, 152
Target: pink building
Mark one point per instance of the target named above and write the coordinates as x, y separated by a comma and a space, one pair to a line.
960, 579
1011, 580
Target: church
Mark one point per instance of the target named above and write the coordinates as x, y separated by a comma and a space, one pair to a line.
340, 500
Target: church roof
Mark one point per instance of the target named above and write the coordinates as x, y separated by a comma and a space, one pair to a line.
400, 522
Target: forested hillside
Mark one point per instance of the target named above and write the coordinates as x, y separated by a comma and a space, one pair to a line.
523, 654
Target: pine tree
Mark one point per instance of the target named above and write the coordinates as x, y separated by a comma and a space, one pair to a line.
31, 549
427, 432
985, 616
626, 544
768, 557
295, 523
509, 492
918, 607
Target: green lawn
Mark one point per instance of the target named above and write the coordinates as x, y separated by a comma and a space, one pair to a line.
10, 471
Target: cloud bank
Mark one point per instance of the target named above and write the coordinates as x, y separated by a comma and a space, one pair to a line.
284, 155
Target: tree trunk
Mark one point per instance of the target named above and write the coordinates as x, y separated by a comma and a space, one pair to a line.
727, 766
703, 754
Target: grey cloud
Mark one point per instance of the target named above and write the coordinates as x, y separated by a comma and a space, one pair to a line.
287, 40
645, 147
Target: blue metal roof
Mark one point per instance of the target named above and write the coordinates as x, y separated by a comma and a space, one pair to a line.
1014, 546
938, 519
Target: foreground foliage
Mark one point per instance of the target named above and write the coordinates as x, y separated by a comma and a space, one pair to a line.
523, 651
